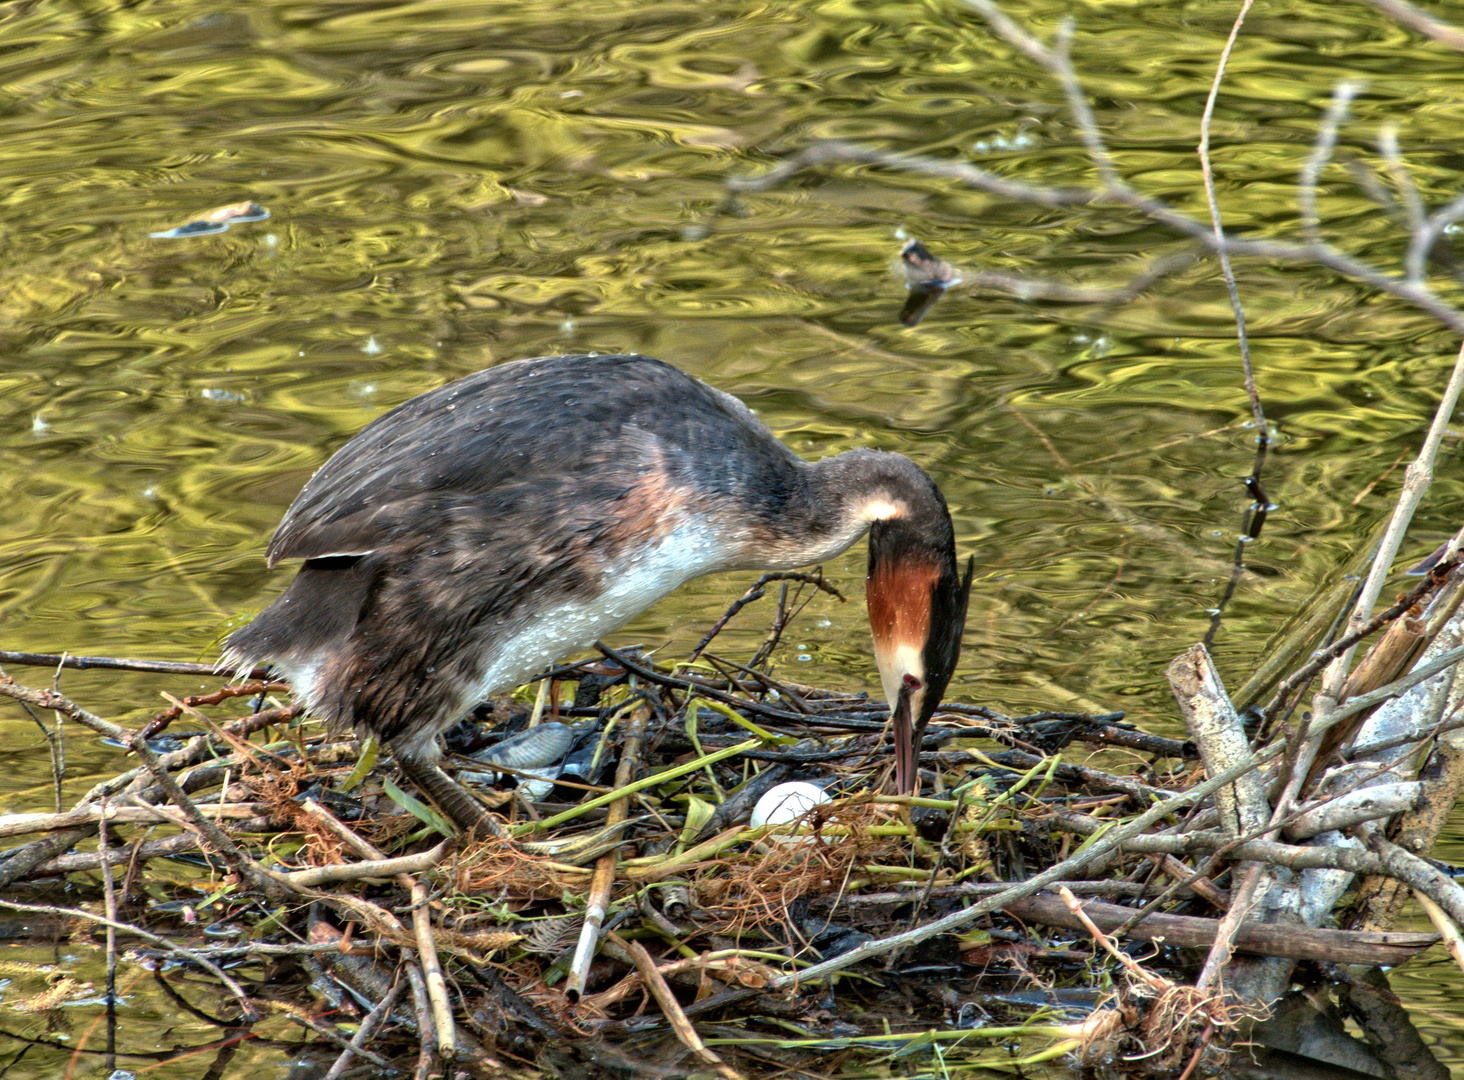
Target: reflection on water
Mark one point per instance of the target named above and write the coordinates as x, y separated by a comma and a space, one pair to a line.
458, 183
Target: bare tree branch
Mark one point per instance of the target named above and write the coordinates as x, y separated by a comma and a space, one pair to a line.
1255, 516
835, 150
1209, 177
1424, 23
1408, 196
1060, 292
1322, 150
1113, 188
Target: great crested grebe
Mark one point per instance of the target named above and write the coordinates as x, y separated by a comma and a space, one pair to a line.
472, 536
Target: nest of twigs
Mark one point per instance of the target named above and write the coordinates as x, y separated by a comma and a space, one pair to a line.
629, 911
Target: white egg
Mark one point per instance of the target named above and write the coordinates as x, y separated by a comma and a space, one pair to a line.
787, 802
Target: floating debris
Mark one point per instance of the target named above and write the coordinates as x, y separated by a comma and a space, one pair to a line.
218, 220
929, 278
213, 393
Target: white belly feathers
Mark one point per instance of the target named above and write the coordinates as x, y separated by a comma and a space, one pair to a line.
689, 551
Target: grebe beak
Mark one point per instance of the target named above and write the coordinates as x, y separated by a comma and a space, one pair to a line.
917, 612
907, 753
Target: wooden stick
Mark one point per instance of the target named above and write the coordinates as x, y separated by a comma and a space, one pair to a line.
1416, 482
1262, 939
366, 1030
1380, 899
373, 868
437, 996
970, 888
109, 894
661, 991
25, 824
1200, 886
23, 861
93, 860
1075, 909
1217, 731
431, 967
1389, 657
1370, 803
114, 663
426, 1035
598, 900
1447, 928
1421, 21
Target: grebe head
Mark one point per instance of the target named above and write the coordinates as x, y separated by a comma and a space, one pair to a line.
917, 611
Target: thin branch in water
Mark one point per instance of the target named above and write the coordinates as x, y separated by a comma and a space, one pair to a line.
58, 747
1314, 251
109, 893
249, 1011
1255, 515
1415, 294
833, 150
366, 1031
1060, 292
58, 761
53, 742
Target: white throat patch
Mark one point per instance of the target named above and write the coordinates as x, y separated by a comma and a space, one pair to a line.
880, 509
894, 664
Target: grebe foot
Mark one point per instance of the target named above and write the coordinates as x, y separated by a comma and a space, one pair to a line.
451, 798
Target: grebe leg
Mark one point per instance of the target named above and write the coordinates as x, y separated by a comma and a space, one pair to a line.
451, 797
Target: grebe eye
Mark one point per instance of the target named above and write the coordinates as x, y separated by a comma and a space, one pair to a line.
912, 683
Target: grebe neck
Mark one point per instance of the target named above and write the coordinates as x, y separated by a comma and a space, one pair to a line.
891, 496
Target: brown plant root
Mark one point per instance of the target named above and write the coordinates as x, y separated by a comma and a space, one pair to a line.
1153, 1026
755, 893
1179, 1030
495, 867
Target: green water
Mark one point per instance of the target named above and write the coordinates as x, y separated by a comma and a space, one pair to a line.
457, 184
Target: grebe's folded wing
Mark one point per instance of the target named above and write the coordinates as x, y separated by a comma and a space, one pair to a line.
581, 427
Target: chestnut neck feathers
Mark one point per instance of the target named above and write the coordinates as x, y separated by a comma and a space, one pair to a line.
916, 594
917, 597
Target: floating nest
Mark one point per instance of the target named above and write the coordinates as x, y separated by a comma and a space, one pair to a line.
630, 918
